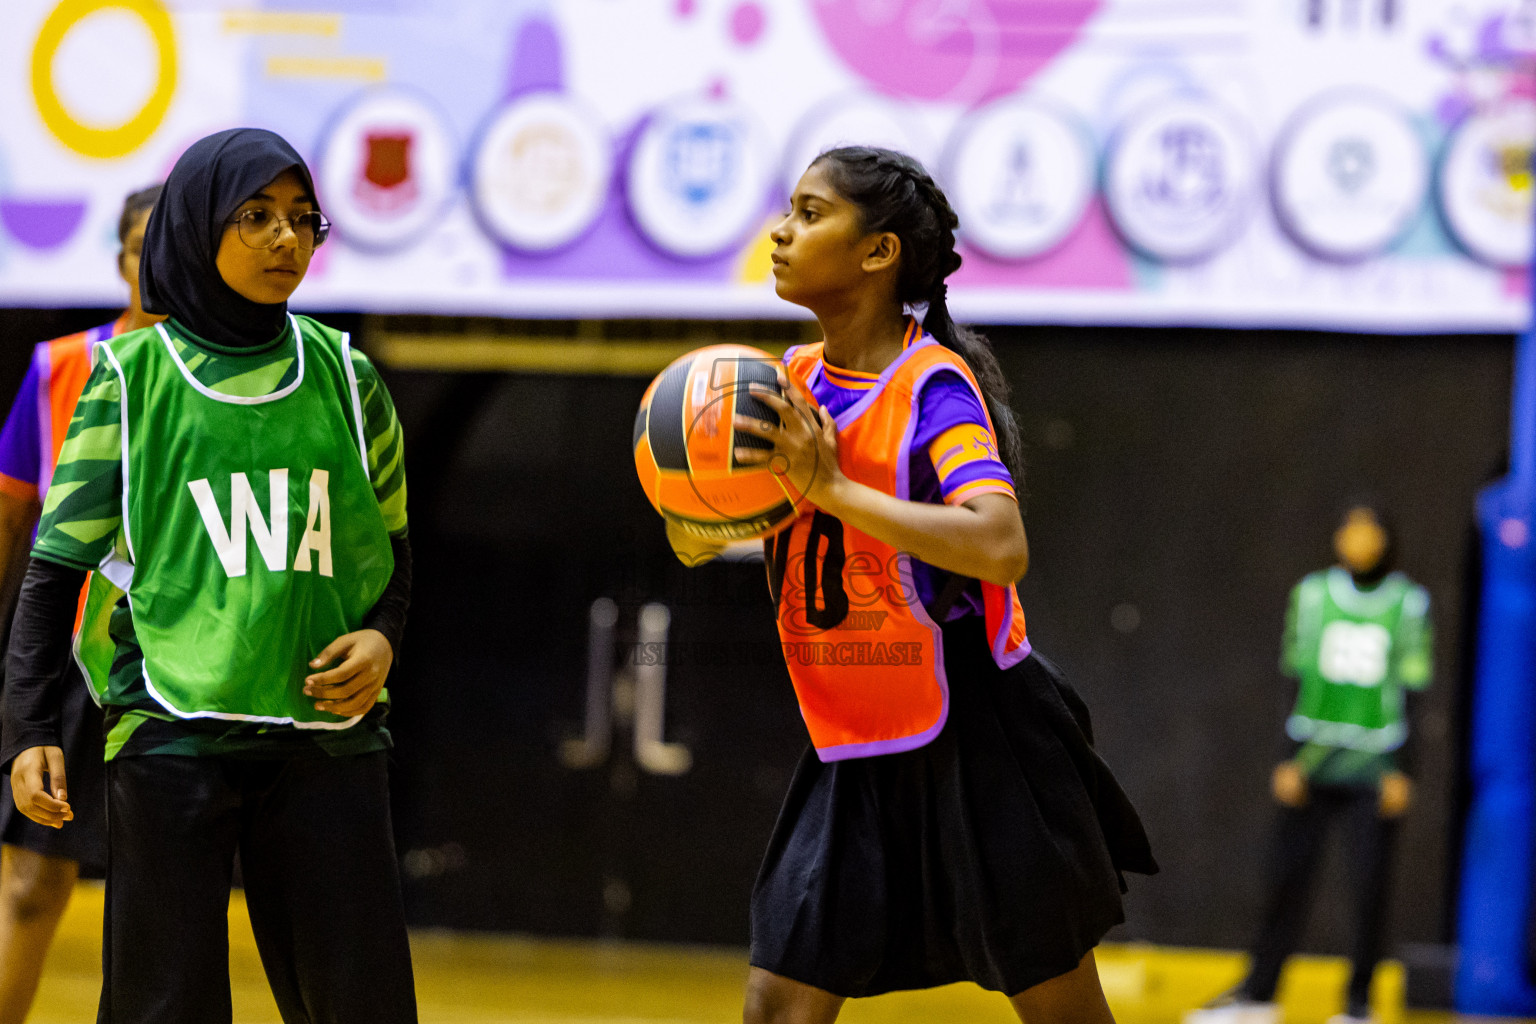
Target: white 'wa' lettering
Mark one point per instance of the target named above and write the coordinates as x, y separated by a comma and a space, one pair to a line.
271, 532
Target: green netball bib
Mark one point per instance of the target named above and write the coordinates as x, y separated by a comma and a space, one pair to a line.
252, 537
1354, 652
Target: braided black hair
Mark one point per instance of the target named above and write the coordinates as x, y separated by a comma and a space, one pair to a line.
894, 193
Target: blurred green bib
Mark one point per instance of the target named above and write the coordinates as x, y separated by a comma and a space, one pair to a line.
1354, 652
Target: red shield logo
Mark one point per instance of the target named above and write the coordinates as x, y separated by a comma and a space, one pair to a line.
386, 187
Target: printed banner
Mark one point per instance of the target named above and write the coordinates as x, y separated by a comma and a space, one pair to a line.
1352, 164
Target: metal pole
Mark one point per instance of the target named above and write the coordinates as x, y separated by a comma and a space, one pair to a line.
652, 752
591, 749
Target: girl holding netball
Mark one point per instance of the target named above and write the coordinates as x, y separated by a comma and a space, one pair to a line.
236, 470
952, 820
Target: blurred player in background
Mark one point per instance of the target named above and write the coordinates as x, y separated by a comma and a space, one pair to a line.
39, 865
1357, 638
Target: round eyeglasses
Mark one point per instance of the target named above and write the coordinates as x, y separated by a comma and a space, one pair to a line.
260, 229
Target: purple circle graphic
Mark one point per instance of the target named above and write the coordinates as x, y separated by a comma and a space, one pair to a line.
747, 23
968, 51
42, 224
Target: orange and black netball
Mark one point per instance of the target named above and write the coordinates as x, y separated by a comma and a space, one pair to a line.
685, 446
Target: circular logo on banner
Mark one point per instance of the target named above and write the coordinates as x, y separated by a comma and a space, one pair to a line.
68, 126
386, 169
851, 121
1180, 179
1349, 176
1485, 183
1020, 177
698, 177
540, 173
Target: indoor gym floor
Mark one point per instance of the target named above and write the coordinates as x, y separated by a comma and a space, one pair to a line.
493, 979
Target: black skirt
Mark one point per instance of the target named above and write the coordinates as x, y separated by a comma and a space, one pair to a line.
993, 854
84, 839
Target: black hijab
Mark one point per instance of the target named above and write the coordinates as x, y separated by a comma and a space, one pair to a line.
177, 275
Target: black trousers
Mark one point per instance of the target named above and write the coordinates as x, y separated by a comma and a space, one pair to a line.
1293, 867
322, 885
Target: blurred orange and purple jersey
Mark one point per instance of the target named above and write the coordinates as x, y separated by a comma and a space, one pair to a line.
39, 418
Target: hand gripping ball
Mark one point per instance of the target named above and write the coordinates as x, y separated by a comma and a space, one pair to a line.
685, 446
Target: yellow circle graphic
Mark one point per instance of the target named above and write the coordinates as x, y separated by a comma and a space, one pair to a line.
103, 143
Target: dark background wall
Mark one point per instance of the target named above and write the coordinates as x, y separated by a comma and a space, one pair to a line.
1179, 483
1195, 476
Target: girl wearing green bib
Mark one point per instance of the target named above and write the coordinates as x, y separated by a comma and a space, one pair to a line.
235, 475
1357, 640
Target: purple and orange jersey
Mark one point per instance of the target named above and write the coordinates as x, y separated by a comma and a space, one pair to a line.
863, 651
953, 455
39, 419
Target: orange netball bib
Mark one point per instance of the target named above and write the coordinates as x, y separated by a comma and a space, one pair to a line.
865, 657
